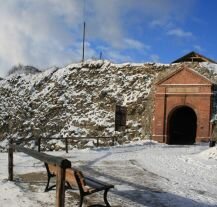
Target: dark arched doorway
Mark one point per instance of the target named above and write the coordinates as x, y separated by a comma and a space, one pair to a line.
182, 126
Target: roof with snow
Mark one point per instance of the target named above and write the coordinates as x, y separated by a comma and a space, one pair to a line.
194, 57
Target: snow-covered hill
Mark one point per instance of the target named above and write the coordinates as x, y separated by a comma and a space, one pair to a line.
22, 69
80, 99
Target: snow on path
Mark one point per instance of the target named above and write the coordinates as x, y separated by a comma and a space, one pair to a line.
144, 175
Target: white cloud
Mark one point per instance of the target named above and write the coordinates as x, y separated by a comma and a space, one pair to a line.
35, 33
131, 43
198, 48
161, 23
178, 32
158, 23
117, 56
114, 54
49, 32
155, 58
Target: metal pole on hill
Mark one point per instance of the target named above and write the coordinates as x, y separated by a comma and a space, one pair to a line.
83, 42
84, 31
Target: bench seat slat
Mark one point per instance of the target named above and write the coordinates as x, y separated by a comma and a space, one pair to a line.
91, 184
97, 182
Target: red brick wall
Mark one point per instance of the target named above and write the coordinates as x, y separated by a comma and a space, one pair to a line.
195, 93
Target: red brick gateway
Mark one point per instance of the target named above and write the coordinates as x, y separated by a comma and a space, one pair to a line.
183, 103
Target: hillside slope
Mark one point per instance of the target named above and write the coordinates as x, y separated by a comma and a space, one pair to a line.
79, 100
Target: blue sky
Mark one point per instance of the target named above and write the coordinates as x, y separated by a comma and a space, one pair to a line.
45, 33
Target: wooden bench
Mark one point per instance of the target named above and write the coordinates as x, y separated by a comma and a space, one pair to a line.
75, 178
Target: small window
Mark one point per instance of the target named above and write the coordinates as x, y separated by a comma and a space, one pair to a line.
120, 118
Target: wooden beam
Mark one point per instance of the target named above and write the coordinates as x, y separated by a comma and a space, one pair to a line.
10, 162
59, 161
39, 144
60, 187
67, 148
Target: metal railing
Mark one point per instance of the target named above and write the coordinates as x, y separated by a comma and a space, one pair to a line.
66, 140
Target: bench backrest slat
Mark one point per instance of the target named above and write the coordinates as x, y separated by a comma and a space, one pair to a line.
73, 176
80, 181
70, 177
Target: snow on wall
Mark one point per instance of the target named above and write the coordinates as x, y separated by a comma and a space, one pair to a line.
77, 100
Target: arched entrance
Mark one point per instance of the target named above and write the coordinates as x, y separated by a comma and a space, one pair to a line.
183, 87
182, 126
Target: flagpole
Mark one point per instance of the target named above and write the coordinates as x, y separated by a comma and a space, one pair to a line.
83, 49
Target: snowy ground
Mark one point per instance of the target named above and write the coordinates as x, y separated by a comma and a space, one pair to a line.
144, 174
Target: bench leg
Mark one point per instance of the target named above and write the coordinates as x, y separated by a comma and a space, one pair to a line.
48, 182
105, 198
47, 188
67, 186
49, 176
81, 200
